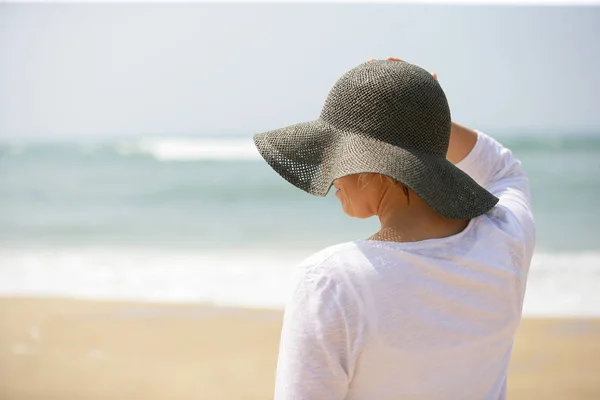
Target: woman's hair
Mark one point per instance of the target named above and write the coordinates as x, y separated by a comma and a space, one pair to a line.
365, 179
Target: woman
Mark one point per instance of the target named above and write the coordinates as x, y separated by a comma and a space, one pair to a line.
427, 307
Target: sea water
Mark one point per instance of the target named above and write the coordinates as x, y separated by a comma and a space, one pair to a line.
204, 219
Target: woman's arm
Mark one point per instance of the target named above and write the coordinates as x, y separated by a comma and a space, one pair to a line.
494, 167
319, 339
462, 141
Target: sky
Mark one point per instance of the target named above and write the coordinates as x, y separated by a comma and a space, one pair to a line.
179, 69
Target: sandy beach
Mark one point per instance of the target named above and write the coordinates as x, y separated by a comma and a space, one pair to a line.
75, 349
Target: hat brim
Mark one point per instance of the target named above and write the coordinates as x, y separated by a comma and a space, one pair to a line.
312, 155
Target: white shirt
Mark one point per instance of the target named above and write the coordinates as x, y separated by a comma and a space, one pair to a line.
433, 319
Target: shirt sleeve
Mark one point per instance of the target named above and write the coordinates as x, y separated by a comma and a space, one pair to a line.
494, 167
318, 339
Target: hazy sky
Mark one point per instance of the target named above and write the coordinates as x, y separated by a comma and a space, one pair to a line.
111, 69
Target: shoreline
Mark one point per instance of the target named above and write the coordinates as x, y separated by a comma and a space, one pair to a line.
87, 349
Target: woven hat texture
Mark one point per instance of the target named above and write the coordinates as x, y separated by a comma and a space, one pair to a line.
384, 117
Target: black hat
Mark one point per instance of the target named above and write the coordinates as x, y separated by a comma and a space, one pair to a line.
385, 117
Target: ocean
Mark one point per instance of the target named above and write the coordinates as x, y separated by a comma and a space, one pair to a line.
204, 219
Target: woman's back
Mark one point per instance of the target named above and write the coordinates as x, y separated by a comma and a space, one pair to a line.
433, 319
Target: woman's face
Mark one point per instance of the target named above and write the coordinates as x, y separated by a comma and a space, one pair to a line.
360, 194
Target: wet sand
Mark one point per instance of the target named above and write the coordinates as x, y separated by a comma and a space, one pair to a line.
76, 349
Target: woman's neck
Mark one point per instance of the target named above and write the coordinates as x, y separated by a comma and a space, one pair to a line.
413, 220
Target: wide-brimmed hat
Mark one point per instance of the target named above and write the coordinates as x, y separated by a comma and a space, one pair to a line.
385, 117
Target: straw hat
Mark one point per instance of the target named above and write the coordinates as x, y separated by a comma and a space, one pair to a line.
384, 117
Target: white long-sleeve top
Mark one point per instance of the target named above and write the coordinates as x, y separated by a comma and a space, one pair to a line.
426, 320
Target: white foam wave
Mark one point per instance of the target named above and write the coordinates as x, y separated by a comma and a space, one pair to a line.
561, 284
564, 284
250, 279
192, 149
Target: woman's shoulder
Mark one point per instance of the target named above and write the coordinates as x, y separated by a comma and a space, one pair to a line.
328, 252
331, 273
332, 260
